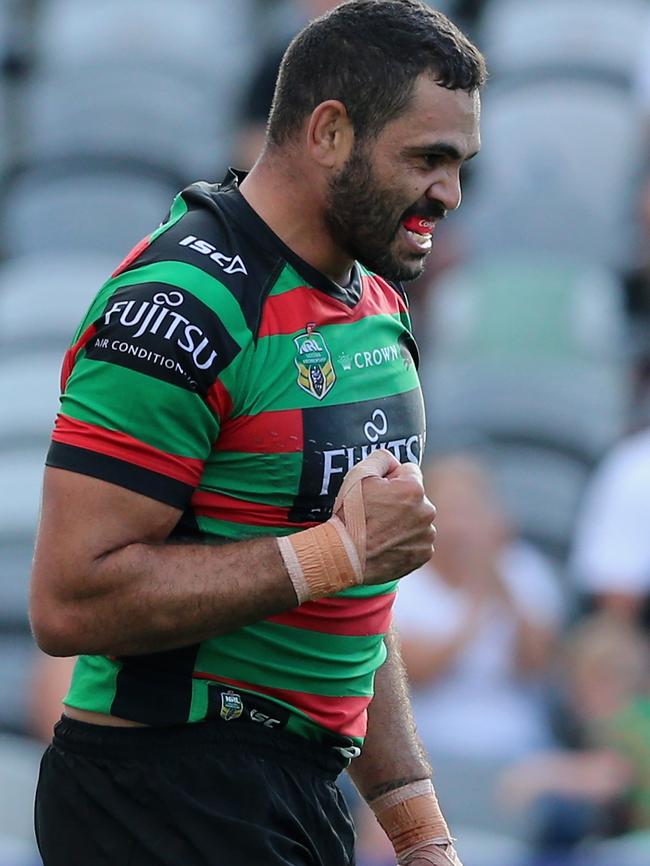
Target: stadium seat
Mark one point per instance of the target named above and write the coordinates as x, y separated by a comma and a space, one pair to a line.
19, 762
536, 307
597, 35
100, 211
524, 363
21, 470
60, 288
556, 170
212, 38
157, 117
29, 385
155, 79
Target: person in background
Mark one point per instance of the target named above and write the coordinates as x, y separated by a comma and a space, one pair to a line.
599, 783
610, 556
477, 624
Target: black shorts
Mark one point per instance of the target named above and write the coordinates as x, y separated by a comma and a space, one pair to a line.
204, 794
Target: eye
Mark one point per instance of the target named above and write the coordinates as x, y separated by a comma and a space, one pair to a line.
432, 160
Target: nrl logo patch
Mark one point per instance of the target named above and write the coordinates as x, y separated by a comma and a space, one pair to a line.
316, 373
231, 706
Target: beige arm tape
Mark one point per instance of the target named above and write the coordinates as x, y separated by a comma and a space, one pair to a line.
332, 556
411, 818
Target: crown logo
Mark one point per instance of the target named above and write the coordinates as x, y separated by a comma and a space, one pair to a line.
345, 360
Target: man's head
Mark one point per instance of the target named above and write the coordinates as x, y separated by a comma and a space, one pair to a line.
383, 94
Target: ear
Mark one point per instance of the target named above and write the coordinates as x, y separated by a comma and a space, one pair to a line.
330, 135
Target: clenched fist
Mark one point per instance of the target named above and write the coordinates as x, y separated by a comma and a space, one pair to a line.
384, 507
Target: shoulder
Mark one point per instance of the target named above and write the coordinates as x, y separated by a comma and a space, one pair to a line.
203, 246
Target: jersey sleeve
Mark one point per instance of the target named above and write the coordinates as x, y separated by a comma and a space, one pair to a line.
143, 396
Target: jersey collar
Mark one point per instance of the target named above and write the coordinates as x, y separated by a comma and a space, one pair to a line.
239, 209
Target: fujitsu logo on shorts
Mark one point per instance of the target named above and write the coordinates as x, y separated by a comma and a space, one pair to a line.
158, 316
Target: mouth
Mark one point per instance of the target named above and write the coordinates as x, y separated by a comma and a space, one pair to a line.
418, 231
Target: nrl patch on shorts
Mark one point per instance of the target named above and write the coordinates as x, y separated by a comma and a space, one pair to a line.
316, 373
231, 706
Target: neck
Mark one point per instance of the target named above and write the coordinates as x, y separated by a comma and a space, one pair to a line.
288, 200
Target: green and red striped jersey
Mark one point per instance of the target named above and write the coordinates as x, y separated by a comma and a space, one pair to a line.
218, 372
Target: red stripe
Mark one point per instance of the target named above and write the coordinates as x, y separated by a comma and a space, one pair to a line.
347, 616
266, 433
137, 250
71, 355
347, 716
112, 443
290, 311
221, 507
219, 400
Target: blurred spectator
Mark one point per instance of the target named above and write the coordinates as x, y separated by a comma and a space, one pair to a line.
602, 785
611, 554
477, 624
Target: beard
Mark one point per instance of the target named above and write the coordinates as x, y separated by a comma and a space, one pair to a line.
364, 219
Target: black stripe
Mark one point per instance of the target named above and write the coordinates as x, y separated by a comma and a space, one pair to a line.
156, 689
120, 472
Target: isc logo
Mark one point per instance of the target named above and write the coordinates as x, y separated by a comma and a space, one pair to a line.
230, 264
263, 719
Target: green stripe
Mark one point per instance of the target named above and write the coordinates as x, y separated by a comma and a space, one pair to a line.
158, 413
282, 657
240, 531
367, 591
199, 705
178, 209
93, 683
288, 280
270, 479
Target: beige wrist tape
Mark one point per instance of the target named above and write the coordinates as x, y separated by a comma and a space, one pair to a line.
332, 556
321, 560
411, 817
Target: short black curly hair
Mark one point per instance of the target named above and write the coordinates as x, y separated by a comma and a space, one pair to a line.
368, 54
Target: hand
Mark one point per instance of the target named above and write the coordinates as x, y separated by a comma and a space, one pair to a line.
432, 855
399, 532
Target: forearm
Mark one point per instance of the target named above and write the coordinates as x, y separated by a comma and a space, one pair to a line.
153, 597
392, 755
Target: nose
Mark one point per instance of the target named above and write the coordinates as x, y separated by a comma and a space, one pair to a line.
446, 188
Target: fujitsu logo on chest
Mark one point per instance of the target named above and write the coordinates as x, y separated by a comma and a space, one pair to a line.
158, 317
406, 448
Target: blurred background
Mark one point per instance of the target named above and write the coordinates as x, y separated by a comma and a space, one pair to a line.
526, 637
